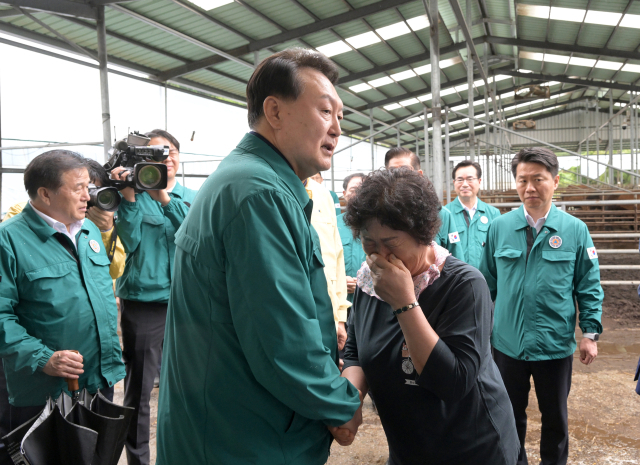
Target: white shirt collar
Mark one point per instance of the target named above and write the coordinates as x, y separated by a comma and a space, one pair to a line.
60, 227
535, 224
472, 210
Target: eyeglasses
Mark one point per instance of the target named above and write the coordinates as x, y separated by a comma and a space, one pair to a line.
462, 180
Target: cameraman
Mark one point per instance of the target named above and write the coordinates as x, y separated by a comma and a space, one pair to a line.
147, 223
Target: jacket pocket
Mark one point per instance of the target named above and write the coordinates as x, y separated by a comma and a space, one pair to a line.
511, 254
153, 220
52, 271
556, 274
99, 260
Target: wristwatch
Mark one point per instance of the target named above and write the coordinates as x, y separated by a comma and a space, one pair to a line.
593, 336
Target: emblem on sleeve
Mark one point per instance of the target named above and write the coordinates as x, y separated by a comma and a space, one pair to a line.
555, 242
591, 252
454, 237
94, 245
484, 219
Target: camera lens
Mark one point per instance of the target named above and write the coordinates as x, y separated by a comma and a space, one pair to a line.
149, 177
108, 199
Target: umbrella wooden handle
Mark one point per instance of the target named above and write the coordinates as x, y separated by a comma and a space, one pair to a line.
72, 384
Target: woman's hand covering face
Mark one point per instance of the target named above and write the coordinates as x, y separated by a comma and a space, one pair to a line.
391, 280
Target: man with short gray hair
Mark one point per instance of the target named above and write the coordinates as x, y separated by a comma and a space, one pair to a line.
58, 315
539, 262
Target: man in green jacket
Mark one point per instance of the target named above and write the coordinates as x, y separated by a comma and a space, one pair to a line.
471, 215
250, 373
539, 262
147, 223
353, 253
448, 236
56, 295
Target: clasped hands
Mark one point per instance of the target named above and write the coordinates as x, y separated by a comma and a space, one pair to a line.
345, 434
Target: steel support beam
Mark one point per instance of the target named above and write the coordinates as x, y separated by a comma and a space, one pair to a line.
564, 47
179, 34
368, 73
78, 9
436, 110
570, 80
470, 90
286, 36
104, 80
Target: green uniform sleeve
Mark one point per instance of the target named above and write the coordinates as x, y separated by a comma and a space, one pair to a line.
17, 348
176, 210
274, 312
488, 264
586, 284
129, 222
442, 238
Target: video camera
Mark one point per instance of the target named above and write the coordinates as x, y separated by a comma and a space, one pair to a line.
135, 152
105, 198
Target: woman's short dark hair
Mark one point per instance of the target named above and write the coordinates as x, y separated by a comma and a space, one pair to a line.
464, 164
347, 180
539, 155
46, 170
401, 152
164, 134
400, 199
97, 172
278, 76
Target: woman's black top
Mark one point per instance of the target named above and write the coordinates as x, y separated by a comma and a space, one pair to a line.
457, 410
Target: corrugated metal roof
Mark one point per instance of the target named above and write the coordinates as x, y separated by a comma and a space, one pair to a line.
235, 28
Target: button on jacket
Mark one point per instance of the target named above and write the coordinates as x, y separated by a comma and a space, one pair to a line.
445, 238
535, 310
474, 236
50, 302
250, 371
147, 231
353, 253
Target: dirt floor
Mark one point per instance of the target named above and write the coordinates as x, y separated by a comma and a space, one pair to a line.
603, 406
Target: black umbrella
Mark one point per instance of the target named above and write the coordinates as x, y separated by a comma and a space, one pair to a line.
85, 430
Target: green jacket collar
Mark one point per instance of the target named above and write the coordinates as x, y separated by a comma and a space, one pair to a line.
39, 226
457, 206
552, 223
178, 190
280, 165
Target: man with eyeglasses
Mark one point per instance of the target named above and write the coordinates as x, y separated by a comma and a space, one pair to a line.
471, 215
147, 223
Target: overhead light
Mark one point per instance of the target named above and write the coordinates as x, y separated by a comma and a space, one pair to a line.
362, 40
567, 14
415, 119
419, 22
210, 4
612, 65
551, 58
424, 98
629, 67
534, 11
334, 48
461, 87
630, 21
393, 30
588, 62
450, 62
424, 69
403, 75
360, 87
448, 91
411, 101
393, 106
605, 18
383, 81
532, 56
